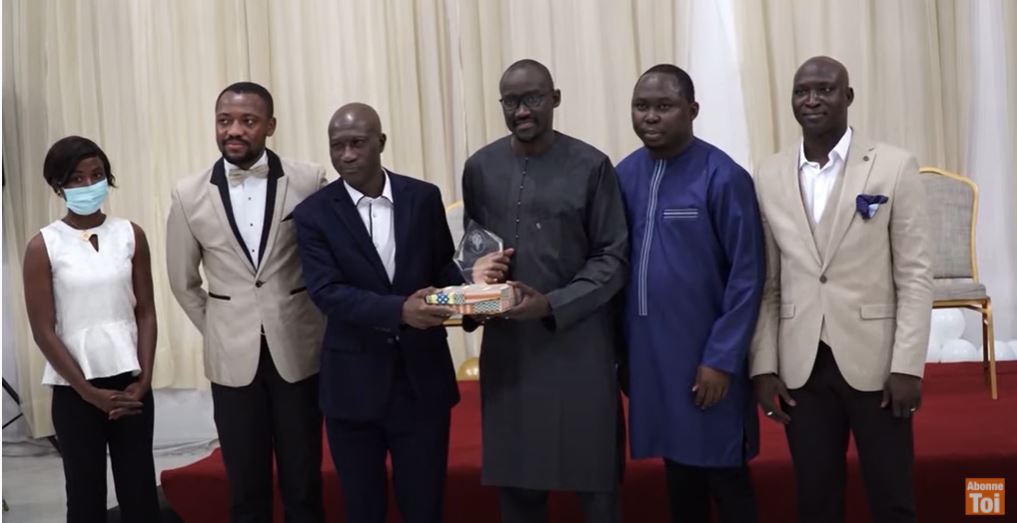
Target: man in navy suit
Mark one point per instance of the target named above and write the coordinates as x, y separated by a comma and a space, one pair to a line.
373, 244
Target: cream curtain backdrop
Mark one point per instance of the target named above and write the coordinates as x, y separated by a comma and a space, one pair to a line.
140, 78
990, 159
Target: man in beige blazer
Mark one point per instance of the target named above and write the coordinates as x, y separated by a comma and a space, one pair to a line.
262, 334
844, 324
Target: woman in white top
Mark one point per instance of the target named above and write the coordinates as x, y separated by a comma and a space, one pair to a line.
88, 289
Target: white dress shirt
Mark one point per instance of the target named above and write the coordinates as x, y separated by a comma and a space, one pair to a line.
817, 181
248, 200
377, 214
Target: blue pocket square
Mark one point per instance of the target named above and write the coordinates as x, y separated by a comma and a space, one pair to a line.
868, 204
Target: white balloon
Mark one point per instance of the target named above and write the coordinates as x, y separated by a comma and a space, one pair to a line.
1004, 351
935, 342
935, 352
960, 350
946, 325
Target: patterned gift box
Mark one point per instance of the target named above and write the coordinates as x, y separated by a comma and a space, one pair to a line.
475, 299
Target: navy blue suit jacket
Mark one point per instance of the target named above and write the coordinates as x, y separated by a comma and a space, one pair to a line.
347, 281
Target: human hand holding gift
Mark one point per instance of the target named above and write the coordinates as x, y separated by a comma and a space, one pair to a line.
529, 303
492, 268
417, 313
532, 304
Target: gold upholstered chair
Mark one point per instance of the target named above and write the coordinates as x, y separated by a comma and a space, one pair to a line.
952, 211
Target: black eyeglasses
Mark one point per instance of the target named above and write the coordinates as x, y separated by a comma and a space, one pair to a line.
531, 100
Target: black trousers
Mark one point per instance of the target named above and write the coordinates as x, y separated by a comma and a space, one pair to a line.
690, 489
520, 505
84, 433
271, 415
416, 437
827, 410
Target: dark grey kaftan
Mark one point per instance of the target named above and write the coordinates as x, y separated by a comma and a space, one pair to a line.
548, 387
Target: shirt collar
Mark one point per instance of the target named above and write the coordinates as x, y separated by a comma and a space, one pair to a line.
261, 161
386, 191
839, 151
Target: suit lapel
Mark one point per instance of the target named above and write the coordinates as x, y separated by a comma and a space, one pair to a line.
403, 205
347, 212
821, 231
219, 194
275, 196
860, 158
793, 193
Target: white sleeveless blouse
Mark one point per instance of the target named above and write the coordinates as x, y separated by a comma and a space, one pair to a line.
93, 294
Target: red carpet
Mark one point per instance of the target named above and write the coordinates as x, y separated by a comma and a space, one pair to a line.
959, 433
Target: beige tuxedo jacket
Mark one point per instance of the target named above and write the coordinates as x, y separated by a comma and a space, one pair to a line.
869, 281
238, 297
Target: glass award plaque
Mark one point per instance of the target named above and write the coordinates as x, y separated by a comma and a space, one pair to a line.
477, 242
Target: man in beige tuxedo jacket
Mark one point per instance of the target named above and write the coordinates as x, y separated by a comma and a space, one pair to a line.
843, 329
262, 334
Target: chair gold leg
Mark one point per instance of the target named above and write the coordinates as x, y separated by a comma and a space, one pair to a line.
990, 344
985, 343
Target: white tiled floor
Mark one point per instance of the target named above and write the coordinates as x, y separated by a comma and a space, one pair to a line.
33, 485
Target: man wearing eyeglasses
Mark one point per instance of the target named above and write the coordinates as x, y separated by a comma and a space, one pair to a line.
548, 385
